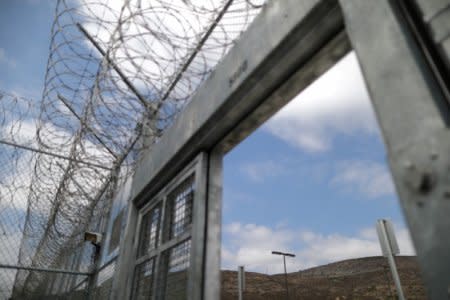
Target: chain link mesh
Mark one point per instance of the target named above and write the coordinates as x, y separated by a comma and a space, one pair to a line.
17, 121
117, 74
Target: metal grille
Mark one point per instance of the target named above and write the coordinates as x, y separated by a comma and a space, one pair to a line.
103, 286
150, 230
177, 271
143, 280
180, 203
163, 264
6, 279
106, 273
80, 291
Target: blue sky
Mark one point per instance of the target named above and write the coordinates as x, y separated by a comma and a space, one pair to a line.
24, 43
312, 180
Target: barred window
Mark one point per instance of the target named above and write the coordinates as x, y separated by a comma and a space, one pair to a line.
162, 269
149, 231
143, 280
177, 271
180, 205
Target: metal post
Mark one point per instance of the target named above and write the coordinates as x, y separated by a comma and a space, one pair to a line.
91, 291
145, 103
241, 282
388, 281
285, 277
214, 225
413, 115
151, 110
396, 277
4, 266
66, 103
285, 271
389, 248
195, 51
53, 154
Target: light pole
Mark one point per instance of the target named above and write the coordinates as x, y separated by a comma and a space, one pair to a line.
285, 272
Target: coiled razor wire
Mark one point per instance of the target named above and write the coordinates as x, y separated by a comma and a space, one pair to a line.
117, 74
17, 126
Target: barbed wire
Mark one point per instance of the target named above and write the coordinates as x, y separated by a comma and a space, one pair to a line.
118, 73
17, 121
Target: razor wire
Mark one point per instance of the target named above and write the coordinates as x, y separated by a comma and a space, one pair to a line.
118, 73
17, 126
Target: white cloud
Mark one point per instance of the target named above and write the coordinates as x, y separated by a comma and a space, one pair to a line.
251, 245
18, 165
15, 183
336, 103
10, 242
8, 255
261, 170
5, 59
19, 168
21, 132
157, 38
368, 178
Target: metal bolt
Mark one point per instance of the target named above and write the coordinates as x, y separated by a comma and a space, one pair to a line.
426, 184
422, 182
409, 165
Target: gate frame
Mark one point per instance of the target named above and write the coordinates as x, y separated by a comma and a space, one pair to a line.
260, 75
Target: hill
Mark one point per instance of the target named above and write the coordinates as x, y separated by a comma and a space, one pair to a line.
362, 278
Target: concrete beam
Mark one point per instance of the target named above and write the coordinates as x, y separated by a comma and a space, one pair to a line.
281, 41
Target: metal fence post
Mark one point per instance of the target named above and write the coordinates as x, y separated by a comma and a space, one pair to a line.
414, 118
389, 248
241, 282
93, 276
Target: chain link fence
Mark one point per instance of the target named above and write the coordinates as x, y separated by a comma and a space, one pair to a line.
118, 72
359, 278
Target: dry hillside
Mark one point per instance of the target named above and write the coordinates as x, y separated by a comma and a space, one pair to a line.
362, 278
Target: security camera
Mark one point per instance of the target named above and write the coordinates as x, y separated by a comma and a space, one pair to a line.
93, 237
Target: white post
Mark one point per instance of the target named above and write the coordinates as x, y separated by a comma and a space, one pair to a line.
241, 282
389, 247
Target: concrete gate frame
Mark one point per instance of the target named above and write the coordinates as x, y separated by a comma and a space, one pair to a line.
403, 49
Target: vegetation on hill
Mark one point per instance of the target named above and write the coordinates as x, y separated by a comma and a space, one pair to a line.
362, 278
